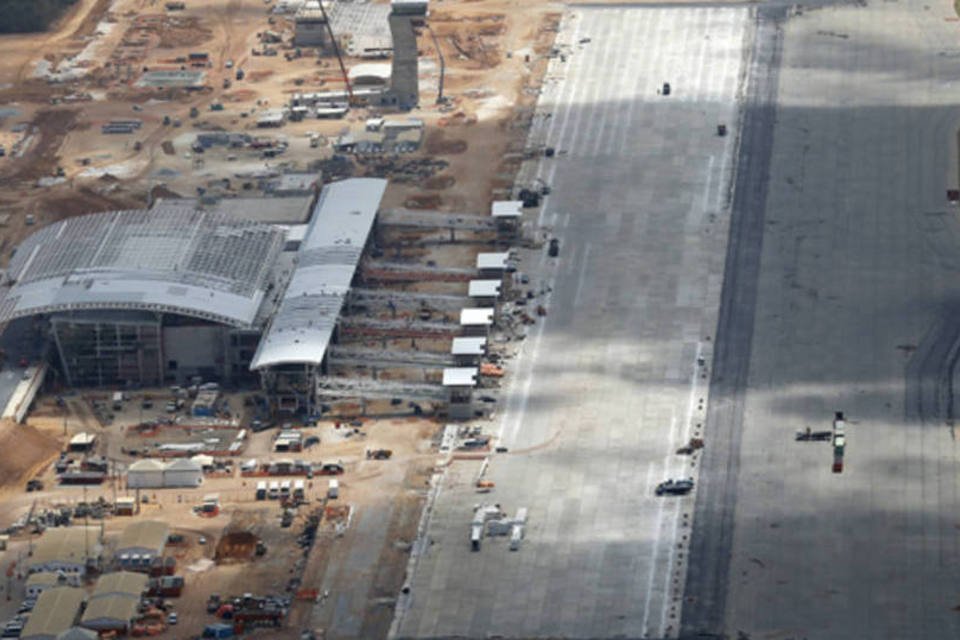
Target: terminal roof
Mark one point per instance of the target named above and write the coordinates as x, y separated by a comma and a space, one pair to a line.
507, 209
492, 260
468, 346
328, 257
471, 317
484, 288
460, 377
183, 261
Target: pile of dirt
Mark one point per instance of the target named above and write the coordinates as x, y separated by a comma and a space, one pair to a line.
258, 75
423, 201
66, 203
52, 126
439, 183
437, 144
183, 32
240, 95
236, 546
34, 449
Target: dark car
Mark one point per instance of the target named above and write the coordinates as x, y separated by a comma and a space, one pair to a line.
554, 250
331, 469
675, 487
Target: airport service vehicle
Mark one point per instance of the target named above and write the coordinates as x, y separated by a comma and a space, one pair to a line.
675, 487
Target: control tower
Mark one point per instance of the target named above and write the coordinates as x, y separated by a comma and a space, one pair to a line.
405, 16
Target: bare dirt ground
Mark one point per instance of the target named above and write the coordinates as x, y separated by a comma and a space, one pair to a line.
495, 52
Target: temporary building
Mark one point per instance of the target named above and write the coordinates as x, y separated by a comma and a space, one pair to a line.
145, 474
56, 611
183, 473
70, 550
115, 602
140, 543
154, 474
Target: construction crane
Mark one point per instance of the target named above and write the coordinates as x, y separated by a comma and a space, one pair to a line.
443, 64
336, 50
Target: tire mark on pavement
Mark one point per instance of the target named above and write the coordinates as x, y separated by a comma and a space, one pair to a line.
711, 543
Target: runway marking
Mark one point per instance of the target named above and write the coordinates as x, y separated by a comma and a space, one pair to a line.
687, 427
583, 272
656, 542
517, 409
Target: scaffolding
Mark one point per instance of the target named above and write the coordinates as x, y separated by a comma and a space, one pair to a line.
372, 271
364, 356
110, 350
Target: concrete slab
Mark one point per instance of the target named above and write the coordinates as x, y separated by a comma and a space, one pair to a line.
856, 310
608, 386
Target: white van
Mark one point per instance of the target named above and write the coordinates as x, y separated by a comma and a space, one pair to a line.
274, 492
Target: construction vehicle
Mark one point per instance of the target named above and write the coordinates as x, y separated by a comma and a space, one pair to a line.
813, 436
839, 441
674, 487
213, 603
379, 454
690, 447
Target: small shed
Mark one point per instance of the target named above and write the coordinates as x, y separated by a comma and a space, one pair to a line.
82, 442
125, 506
468, 349
485, 291
460, 377
503, 210
493, 264
476, 321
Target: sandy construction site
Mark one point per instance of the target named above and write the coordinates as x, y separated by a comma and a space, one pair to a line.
83, 131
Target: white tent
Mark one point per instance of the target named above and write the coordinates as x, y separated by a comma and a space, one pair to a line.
183, 473
145, 474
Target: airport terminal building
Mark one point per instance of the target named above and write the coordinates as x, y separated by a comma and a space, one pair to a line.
176, 293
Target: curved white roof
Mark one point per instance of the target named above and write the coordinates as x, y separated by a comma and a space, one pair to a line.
326, 261
366, 72
194, 263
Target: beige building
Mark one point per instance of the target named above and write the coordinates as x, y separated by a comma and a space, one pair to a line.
115, 602
70, 550
56, 611
140, 543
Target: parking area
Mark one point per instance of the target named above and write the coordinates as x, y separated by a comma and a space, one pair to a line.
613, 382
